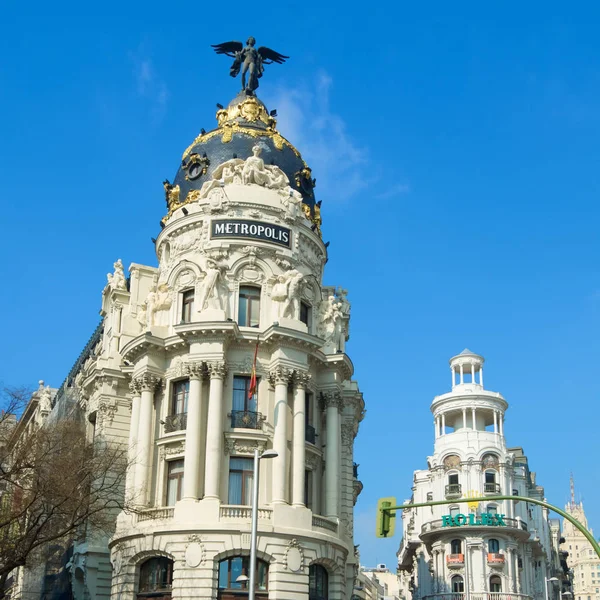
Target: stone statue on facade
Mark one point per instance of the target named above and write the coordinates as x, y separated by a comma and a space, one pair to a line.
155, 311
116, 280
44, 398
211, 293
249, 60
331, 323
286, 293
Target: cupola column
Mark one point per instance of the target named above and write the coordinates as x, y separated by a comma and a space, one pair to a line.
481, 375
136, 390
443, 423
193, 435
501, 423
495, 421
462, 375
299, 445
148, 384
472, 373
333, 402
214, 430
473, 418
280, 378
464, 412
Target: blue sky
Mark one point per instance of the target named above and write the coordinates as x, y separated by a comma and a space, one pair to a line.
456, 153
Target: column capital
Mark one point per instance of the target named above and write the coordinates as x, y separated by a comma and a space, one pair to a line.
331, 398
280, 374
217, 370
148, 382
301, 379
195, 370
135, 386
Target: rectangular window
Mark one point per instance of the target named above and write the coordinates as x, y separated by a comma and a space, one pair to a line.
174, 481
308, 488
187, 306
309, 431
241, 474
249, 306
305, 313
179, 400
241, 390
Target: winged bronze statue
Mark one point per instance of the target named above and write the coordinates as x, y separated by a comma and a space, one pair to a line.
250, 60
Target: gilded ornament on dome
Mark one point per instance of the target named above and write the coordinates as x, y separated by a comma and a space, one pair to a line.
250, 109
305, 181
222, 116
307, 212
227, 135
452, 461
196, 166
171, 193
278, 142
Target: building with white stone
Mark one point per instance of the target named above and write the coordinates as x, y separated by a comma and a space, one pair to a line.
169, 373
380, 583
582, 560
481, 549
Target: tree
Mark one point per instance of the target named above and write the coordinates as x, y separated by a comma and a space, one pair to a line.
57, 484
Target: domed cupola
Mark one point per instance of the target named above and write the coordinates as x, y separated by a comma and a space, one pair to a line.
244, 124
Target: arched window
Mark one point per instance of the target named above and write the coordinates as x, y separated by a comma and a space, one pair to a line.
156, 578
456, 547
458, 584
493, 546
495, 583
318, 583
249, 306
233, 574
187, 306
453, 488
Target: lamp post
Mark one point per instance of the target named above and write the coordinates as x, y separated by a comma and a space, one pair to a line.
252, 570
547, 581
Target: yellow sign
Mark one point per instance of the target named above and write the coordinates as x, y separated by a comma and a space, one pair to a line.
473, 494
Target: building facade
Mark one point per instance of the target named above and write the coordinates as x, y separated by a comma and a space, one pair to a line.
479, 549
232, 343
582, 560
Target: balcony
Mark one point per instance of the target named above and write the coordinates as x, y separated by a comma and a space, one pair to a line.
453, 491
152, 514
495, 560
246, 419
310, 434
235, 512
176, 422
516, 527
454, 561
491, 488
476, 595
324, 523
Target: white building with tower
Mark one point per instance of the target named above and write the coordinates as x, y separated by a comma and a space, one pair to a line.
481, 549
237, 289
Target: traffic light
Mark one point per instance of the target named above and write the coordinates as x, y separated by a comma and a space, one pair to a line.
386, 519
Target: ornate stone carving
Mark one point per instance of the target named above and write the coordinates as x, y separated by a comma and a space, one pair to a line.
217, 370
452, 461
135, 386
294, 556
235, 446
286, 294
44, 397
116, 280
155, 310
195, 370
171, 450
312, 460
331, 323
212, 292
332, 398
301, 379
279, 375
347, 434
107, 409
194, 552
149, 382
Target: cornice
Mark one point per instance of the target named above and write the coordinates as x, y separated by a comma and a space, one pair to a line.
145, 343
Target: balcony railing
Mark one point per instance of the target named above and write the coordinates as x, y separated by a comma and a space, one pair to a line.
150, 514
234, 512
453, 490
455, 560
175, 422
491, 488
246, 419
324, 523
310, 435
478, 596
494, 558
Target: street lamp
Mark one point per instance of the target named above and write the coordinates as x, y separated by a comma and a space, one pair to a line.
546, 584
252, 578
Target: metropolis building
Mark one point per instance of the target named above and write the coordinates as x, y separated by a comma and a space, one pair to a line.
168, 372
483, 549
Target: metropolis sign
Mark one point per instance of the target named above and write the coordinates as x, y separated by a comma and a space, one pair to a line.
238, 228
490, 519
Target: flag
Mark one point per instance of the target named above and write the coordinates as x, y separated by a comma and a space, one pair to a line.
252, 389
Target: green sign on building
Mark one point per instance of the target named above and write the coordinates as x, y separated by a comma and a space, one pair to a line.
490, 519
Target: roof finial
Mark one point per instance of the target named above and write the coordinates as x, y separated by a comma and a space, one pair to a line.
250, 60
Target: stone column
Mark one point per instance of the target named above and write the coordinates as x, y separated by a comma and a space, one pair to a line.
443, 423
333, 403
481, 375
474, 419
462, 375
280, 378
511, 580
214, 430
495, 421
193, 435
299, 444
464, 413
148, 383
472, 373
136, 390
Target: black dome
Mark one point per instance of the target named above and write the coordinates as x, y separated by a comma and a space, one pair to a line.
243, 124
